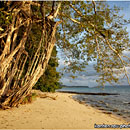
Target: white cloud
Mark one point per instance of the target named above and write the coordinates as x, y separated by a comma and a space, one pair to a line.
80, 81
126, 52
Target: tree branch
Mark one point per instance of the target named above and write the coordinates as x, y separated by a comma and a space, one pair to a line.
57, 10
78, 12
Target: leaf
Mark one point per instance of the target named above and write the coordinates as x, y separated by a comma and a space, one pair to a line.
1, 29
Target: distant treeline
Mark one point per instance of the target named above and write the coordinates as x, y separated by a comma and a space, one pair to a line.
74, 86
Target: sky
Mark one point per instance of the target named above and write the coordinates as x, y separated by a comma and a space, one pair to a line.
89, 77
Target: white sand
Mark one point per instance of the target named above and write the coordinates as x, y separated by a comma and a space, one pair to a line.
61, 113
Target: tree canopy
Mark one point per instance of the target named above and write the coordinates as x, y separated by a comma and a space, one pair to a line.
94, 31
83, 30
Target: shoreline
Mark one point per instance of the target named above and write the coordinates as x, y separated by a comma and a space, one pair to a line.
102, 110
62, 113
98, 107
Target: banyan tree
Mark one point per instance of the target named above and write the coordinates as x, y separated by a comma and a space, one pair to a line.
14, 83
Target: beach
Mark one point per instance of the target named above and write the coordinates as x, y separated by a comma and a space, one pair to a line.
58, 112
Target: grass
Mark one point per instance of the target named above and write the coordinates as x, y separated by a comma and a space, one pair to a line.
30, 98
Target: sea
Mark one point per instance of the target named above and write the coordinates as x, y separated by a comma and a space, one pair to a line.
109, 99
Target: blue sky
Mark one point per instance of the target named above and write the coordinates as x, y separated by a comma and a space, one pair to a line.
89, 77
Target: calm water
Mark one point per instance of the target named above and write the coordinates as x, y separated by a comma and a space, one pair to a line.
115, 104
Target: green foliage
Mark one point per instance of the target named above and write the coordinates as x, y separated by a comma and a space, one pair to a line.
5, 20
84, 39
5, 17
49, 82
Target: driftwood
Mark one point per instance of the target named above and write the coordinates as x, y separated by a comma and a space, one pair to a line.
44, 94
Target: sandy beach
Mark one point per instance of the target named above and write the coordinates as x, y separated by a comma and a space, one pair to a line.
62, 113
